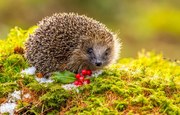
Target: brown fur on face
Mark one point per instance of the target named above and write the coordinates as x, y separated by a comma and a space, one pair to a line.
62, 40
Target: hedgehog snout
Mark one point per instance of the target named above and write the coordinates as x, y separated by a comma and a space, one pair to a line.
98, 63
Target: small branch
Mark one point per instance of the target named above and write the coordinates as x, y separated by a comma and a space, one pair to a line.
23, 108
47, 110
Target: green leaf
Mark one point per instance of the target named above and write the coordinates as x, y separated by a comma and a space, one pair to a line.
64, 77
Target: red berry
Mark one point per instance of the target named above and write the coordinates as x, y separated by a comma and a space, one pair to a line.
78, 76
81, 78
84, 72
89, 72
86, 81
78, 83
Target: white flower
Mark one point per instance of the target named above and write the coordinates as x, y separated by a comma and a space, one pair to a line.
13, 97
69, 86
7, 108
29, 71
96, 73
44, 80
27, 95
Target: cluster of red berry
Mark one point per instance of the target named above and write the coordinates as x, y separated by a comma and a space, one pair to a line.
81, 77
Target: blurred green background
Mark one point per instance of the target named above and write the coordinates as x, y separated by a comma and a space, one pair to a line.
148, 24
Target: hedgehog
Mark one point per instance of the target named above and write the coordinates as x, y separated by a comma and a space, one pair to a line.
72, 42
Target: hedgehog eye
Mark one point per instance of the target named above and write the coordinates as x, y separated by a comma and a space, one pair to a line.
89, 50
107, 51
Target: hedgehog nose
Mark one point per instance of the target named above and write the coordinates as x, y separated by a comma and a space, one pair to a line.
98, 63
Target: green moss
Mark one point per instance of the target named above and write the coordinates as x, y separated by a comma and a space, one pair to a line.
145, 85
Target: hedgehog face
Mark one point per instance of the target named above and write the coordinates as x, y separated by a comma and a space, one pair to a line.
99, 55
97, 51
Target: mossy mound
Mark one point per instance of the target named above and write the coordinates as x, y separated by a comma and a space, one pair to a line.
145, 85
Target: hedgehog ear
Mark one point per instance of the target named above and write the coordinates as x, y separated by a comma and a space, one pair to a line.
84, 38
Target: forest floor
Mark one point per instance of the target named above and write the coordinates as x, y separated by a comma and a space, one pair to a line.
145, 85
